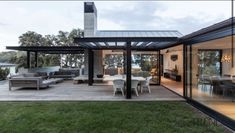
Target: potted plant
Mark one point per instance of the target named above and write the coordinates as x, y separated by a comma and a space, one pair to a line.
4, 73
175, 70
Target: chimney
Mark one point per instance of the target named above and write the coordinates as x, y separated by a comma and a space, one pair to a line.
90, 19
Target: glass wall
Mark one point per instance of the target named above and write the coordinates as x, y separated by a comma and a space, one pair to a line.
146, 64
211, 75
172, 67
113, 62
143, 64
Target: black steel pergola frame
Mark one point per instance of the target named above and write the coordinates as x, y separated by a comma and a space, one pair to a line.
46, 50
130, 43
138, 43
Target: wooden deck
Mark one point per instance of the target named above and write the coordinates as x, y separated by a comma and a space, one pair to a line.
67, 91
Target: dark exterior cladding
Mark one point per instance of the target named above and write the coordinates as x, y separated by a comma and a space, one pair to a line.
89, 7
229, 23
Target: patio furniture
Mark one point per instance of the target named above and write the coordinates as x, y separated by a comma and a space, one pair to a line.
84, 78
55, 80
145, 84
62, 74
36, 82
42, 74
118, 84
134, 86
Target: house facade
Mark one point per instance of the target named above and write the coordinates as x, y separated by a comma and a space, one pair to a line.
199, 66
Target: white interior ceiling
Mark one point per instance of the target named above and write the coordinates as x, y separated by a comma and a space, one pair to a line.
223, 43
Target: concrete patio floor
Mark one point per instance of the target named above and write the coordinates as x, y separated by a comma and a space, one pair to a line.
67, 91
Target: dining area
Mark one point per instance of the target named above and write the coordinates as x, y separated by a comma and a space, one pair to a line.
138, 84
218, 85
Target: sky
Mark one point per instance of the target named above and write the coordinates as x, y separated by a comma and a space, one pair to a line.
48, 17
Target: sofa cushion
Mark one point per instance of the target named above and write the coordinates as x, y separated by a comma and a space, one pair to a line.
29, 74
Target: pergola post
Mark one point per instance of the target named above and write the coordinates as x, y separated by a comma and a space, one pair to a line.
90, 67
159, 67
36, 59
124, 62
128, 70
28, 60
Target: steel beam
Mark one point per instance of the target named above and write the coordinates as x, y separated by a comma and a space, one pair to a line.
28, 60
90, 67
36, 59
128, 70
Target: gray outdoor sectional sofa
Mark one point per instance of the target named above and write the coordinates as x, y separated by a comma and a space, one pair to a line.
64, 73
31, 80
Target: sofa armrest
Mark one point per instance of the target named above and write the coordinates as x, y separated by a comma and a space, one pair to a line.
25, 82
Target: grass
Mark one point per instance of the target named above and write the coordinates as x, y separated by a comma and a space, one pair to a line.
95, 117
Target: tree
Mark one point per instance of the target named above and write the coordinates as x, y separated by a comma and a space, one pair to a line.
4, 73
8, 56
31, 38
50, 40
67, 39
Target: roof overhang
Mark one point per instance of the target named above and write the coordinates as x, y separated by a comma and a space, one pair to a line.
216, 31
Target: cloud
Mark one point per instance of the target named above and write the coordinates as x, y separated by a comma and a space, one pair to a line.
109, 25
2, 24
136, 16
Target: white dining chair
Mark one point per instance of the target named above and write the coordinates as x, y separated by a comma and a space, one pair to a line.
118, 84
145, 85
134, 86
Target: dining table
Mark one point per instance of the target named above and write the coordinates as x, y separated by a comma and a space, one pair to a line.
111, 78
222, 83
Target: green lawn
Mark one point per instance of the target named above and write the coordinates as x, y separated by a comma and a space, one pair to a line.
73, 117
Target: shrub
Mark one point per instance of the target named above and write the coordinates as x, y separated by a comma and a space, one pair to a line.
4, 73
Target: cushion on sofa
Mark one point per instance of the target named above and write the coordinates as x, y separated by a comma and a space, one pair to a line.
29, 74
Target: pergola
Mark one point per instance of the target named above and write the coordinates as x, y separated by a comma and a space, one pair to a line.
46, 50
123, 43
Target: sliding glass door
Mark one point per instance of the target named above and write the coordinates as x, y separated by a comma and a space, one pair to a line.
210, 75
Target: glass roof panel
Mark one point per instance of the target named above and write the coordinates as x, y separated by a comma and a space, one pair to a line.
111, 43
120, 43
102, 43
